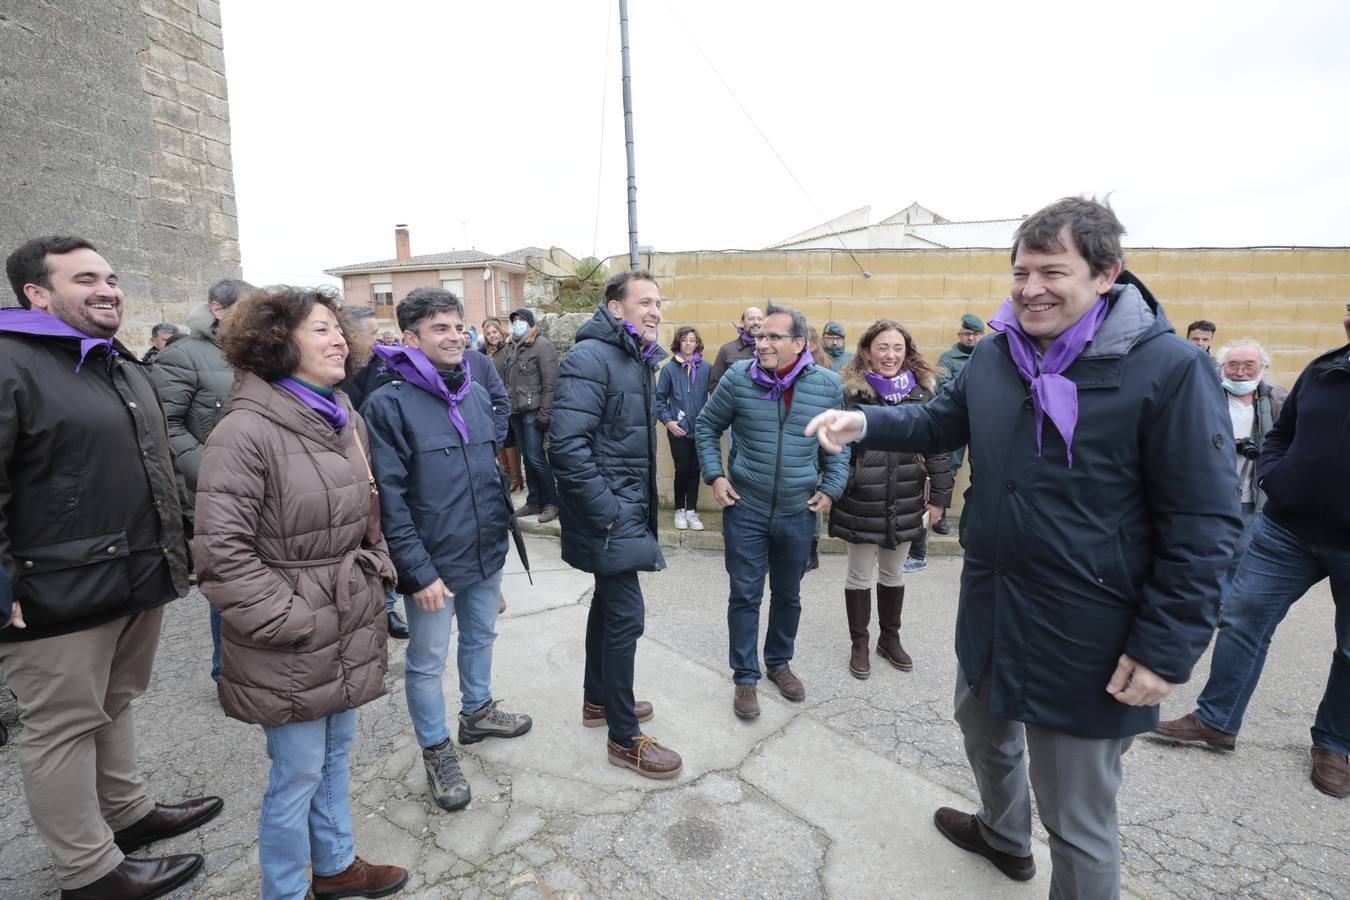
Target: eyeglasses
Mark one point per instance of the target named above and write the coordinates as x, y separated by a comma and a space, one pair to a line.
1242, 368
770, 336
966, 334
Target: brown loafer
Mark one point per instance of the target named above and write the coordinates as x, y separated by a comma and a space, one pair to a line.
167, 820
1331, 772
646, 757
140, 879
593, 714
548, 514
789, 685
1188, 729
963, 831
745, 702
361, 879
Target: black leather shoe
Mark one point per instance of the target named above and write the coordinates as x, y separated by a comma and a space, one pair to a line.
167, 820
398, 629
140, 879
942, 526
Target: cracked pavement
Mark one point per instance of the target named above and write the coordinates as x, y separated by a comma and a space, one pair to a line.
832, 797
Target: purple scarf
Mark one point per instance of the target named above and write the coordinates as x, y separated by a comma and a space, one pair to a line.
1052, 394
778, 386
327, 407
746, 339
892, 390
690, 365
413, 367
647, 349
39, 324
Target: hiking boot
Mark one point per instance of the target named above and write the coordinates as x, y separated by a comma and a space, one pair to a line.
681, 520
593, 714
448, 786
491, 721
746, 702
858, 605
789, 685
913, 565
1331, 772
528, 510
963, 831
360, 880
646, 757
695, 523
1189, 729
890, 603
549, 514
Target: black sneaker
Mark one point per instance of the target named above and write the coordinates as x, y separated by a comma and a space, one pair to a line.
448, 786
492, 721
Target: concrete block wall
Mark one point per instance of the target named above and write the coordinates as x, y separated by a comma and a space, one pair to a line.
115, 126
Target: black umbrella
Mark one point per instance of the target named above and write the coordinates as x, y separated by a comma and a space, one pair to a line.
516, 535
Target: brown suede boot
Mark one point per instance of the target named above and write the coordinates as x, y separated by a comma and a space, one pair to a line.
509, 458
858, 604
361, 879
890, 602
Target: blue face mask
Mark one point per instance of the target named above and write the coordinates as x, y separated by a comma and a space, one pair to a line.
1240, 388
520, 328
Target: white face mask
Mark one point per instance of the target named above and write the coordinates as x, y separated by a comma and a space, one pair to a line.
520, 328
1240, 388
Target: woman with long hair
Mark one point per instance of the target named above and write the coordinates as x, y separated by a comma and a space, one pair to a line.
495, 331
289, 550
883, 507
681, 390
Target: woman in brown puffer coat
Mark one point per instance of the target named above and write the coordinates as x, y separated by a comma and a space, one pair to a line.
288, 549
882, 509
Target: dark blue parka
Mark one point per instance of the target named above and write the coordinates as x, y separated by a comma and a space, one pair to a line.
603, 451
675, 394
1068, 568
441, 505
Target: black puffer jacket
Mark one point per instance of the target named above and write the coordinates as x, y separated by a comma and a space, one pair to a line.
884, 501
603, 451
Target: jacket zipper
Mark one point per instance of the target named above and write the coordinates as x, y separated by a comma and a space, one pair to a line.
777, 463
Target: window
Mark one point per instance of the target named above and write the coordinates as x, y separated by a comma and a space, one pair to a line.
382, 299
455, 286
505, 293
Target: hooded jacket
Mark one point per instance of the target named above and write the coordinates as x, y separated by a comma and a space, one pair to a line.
288, 549
1066, 569
529, 369
603, 451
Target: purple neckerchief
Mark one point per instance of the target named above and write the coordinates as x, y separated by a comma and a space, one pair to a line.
892, 390
776, 385
690, 364
1052, 394
332, 413
413, 366
746, 339
40, 324
647, 349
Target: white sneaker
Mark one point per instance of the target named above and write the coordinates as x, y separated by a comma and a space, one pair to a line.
681, 523
694, 521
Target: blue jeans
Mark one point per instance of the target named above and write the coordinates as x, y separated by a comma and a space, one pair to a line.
305, 817
215, 645
757, 546
1244, 539
1277, 569
429, 645
389, 602
613, 626
541, 489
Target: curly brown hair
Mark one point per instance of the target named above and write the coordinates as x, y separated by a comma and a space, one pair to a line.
914, 361
679, 338
256, 333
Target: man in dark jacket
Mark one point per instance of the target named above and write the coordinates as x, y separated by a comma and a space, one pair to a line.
159, 339
193, 380
835, 341
774, 486
528, 366
433, 445
91, 535
1104, 512
743, 347
1301, 536
604, 451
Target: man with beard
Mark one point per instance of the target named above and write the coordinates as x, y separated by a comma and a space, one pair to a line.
743, 347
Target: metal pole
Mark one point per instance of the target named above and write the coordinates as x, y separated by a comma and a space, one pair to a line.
628, 139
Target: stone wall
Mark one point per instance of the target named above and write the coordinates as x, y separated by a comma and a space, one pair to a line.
114, 125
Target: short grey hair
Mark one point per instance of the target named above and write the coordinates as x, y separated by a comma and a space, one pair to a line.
227, 291
1240, 344
799, 325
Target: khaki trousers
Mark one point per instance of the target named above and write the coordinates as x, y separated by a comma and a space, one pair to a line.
77, 750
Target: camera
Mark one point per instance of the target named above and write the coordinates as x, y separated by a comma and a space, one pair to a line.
1247, 449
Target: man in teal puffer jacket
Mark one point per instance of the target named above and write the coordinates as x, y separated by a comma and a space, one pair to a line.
777, 485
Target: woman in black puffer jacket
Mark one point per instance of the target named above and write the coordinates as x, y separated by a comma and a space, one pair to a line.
882, 509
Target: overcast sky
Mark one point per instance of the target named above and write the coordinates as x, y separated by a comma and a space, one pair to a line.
479, 124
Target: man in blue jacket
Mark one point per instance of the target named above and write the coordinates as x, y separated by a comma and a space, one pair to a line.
778, 484
604, 455
433, 445
1103, 515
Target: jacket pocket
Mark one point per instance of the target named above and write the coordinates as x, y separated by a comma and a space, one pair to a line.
73, 579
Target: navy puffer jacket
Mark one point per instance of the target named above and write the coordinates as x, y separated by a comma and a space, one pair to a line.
603, 451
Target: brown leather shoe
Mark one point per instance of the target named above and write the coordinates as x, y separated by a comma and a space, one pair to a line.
140, 879
593, 714
360, 880
549, 514
746, 701
962, 830
528, 510
789, 685
167, 820
1189, 729
646, 757
1331, 772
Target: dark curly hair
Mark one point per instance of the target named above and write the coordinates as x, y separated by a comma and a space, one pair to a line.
679, 338
914, 360
256, 333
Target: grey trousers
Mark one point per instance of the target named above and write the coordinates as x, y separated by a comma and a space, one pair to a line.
1075, 780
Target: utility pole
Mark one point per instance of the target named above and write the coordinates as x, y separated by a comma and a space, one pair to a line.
628, 138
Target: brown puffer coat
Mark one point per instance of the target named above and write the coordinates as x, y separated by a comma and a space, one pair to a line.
287, 551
